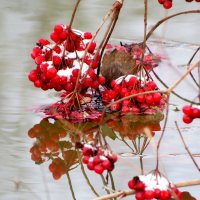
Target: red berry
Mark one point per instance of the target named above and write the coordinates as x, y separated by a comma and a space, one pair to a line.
92, 47
151, 85
131, 184
35, 52
63, 35
95, 85
54, 37
167, 4
90, 166
187, 119
115, 107
98, 169
106, 164
87, 151
85, 159
195, 113
43, 41
132, 81
87, 35
96, 160
157, 97
139, 196
33, 75
165, 195
140, 98
157, 193
149, 99
56, 60
161, 1
149, 194
101, 80
187, 110
39, 59
75, 72
51, 72
58, 28
38, 83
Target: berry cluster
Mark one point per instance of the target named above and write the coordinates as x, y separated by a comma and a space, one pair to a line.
58, 63
190, 113
167, 4
131, 85
153, 186
98, 159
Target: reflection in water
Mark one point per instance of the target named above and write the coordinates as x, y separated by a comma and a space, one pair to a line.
66, 145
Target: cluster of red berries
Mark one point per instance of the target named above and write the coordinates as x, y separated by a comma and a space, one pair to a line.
84, 107
58, 63
131, 85
190, 113
152, 186
167, 4
98, 159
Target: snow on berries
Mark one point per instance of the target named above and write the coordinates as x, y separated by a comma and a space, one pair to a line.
98, 159
128, 85
58, 63
153, 185
190, 113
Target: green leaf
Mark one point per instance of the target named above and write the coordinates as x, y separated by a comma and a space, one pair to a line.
107, 131
187, 196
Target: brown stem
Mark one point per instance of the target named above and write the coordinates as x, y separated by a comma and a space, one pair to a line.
193, 78
94, 36
184, 99
183, 76
167, 18
186, 148
73, 14
162, 134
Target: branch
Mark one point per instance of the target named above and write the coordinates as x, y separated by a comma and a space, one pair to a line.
132, 192
167, 18
186, 148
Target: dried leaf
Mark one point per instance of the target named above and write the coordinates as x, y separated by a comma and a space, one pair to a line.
187, 196
117, 63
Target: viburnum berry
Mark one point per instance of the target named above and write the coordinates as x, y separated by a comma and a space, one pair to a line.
167, 4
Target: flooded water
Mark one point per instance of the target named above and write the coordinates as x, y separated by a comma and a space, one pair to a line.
22, 22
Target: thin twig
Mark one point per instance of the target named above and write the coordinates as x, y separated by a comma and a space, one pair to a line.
73, 14
167, 18
70, 185
86, 178
162, 134
186, 148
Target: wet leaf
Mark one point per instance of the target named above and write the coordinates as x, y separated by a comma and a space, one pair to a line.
107, 131
65, 145
187, 196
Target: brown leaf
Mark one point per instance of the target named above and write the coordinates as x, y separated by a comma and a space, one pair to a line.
117, 63
187, 196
